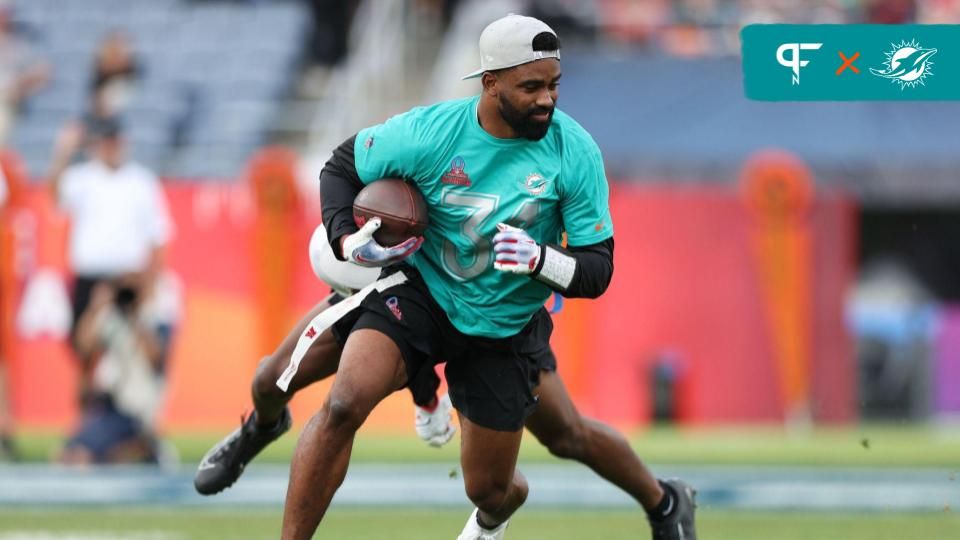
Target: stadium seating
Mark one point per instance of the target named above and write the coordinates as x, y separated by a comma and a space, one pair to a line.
214, 75
666, 119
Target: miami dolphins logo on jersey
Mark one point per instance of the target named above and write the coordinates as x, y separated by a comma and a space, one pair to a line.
535, 184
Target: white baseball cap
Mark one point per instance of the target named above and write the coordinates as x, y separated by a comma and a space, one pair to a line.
508, 42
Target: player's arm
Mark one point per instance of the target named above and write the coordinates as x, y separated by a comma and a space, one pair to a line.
592, 269
585, 267
339, 185
574, 272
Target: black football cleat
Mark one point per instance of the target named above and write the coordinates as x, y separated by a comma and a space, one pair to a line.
224, 463
680, 524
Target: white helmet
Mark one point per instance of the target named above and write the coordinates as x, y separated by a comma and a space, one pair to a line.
345, 277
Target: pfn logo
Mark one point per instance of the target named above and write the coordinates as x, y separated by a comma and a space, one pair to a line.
794, 62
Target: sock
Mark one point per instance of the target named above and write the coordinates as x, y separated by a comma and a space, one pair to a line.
665, 506
432, 406
484, 525
268, 428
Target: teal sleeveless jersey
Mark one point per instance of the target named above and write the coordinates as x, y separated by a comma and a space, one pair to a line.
471, 181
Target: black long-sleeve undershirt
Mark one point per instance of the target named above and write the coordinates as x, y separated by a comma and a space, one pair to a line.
340, 183
594, 269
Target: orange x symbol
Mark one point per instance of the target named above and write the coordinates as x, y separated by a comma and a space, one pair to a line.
848, 62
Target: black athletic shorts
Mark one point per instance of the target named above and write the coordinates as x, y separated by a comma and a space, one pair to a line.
417, 348
490, 380
541, 355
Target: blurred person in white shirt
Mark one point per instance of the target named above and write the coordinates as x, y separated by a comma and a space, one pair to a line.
120, 223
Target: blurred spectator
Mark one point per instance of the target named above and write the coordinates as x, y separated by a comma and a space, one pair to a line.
326, 41
444, 9
331, 25
119, 218
115, 72
22, 73
938, 12
7, 450
125, 332
711, 27
573, 19
634, 22
893, 317
890, 11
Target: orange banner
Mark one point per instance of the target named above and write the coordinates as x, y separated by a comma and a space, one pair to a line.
779, 195
690, 286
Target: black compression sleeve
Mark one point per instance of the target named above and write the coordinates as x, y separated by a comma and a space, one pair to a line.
339, 185
592, 272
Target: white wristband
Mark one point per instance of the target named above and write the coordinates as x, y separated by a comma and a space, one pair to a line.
558, 268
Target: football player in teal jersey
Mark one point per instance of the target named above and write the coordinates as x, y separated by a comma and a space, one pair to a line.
504, 175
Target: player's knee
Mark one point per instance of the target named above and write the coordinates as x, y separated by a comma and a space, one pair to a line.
343, 414
567, 443
265, 382
489, 495
520, 489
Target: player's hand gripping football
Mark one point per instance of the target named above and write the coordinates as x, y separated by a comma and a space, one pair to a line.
360, 247
515, 251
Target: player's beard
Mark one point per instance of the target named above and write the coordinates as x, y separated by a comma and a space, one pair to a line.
523, 122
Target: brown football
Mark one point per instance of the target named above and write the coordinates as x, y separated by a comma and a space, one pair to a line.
398, 204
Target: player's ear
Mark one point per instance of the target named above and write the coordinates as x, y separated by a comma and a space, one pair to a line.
489, 81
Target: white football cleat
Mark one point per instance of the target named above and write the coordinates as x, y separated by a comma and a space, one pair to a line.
473, 531
436, 427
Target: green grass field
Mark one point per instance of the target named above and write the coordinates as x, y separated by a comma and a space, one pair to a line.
867, 446
365, 524
858, 446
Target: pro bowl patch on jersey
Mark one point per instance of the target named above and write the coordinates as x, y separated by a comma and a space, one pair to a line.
535, 184
853, 62
456, 175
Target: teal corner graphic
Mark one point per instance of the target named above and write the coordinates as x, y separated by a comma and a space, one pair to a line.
784, 62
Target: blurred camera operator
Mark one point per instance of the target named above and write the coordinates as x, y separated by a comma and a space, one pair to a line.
125, 334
